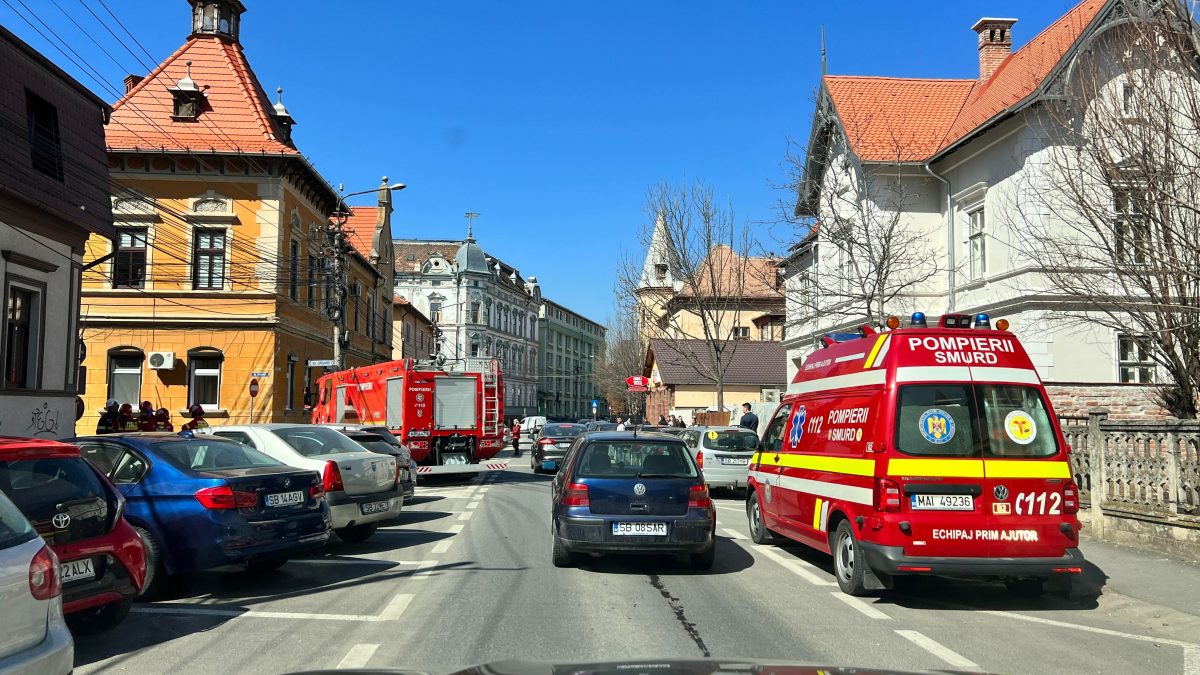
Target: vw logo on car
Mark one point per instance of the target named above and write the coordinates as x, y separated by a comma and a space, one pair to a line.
61, 521
639, 489
1000, 493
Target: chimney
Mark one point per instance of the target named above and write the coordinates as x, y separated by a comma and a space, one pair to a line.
132, 81
995, 44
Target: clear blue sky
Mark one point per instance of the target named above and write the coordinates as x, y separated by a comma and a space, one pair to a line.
551, 118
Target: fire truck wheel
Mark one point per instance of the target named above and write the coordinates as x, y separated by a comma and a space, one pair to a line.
560, 556
759, 533
1026, 588
848, 564
356, 534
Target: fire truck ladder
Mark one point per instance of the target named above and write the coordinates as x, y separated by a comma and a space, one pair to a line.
493, 425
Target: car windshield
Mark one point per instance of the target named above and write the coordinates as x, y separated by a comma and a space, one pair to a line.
14, 529
986, 420
562, 430
316, 441
200, 455
730, 440
635, 459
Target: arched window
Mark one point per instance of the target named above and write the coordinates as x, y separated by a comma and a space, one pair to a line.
125, 374
204, 377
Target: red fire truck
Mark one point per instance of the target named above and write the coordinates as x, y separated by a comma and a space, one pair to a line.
451, 419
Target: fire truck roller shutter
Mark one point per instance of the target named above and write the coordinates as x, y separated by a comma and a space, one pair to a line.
454, 402
395, 402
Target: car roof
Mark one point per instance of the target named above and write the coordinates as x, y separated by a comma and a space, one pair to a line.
12, 447
148, 437
630, 436
724, 428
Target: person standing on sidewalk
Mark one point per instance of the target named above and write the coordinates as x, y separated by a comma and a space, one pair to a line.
749, 420
516, 437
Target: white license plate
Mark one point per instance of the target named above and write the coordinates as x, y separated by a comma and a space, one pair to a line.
376, 507
454, 459
656, 529
942, 502
564, 445
285, 498
78, 570
741, 461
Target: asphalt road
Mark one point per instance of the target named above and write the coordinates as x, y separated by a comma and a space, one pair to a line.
464, 577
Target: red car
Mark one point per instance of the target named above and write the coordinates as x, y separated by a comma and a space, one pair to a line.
79, 514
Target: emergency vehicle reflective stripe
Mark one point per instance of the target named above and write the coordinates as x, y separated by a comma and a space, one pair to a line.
993, 374
847, 493
979, 468
878, 352
820, 514
1025, 468
862, 379
847, 465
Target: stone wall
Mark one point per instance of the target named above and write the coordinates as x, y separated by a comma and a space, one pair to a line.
1121, 401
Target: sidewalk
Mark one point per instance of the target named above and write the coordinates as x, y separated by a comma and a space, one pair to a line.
1147, 576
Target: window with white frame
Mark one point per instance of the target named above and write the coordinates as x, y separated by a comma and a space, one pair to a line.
208, 259
204, 378
976, 243
1131, 228
125, 375
23, 322
1135, 363
129, 260
741, 332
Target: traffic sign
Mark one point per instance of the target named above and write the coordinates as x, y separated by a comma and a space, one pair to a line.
637, 381
254, 387
321, 363
260, 374
595, 403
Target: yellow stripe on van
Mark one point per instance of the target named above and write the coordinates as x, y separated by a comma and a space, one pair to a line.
869, 362
947, 468
847, 465
817, 514
1026, 468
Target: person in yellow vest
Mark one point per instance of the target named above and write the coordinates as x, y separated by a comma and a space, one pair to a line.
197, 421
126, 421
162, 420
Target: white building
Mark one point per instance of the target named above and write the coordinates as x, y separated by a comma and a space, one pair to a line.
480, 305
951, 159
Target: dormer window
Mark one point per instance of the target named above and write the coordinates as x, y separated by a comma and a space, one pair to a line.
187, 98
285, 121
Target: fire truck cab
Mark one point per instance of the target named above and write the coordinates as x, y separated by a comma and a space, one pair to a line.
920, 450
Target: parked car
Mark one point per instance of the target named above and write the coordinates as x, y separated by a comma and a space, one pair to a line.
381, 440
206, 502
618, 492
723, 454
33, 635
362, 487
601, 425
551, 445
80, 515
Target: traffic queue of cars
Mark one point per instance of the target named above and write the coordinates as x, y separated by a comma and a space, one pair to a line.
90, 524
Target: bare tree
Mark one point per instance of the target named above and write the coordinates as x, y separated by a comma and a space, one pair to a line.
1115, 209
697, 280
623, 356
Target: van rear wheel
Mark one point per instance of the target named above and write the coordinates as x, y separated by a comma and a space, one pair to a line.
848, 564
759, 533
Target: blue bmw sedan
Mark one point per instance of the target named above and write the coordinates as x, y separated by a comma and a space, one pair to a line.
206, 502
626, 492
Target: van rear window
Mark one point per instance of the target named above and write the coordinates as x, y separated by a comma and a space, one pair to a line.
985, 420
731, 441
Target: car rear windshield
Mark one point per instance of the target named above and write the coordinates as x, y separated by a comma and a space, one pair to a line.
312, 441
602, 426
984, 420
562, 430
14, 529
40, 486
201, 455
731, 441
635, 459
375, 444
385, 435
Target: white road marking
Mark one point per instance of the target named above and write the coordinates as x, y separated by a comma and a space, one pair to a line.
390, 613
863, 607
424, 569
442, 546
483, 490
939, 650
455, 529
351, 561
466, 515
396, 607
732, 534
473, 505
358, 656
798, 567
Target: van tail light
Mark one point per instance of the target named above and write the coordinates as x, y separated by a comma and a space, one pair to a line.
45, 578
576, 495
225, 497
331, 479
698, 497
1071, 497
700, 459
887, 495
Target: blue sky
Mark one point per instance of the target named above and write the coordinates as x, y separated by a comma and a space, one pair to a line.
551, 118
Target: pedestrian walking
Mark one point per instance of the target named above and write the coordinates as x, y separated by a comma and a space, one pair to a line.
162, 420
108, 418
146, 421
749, 420
197, 421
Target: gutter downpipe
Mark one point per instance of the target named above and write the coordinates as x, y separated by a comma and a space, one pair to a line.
949, 238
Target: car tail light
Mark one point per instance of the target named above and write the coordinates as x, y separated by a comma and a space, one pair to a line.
45, 580
546, 441
887, 495
576, 495
1071, 497
397, 480
700, 459
225, 497
316, 491
331, 480
698, 497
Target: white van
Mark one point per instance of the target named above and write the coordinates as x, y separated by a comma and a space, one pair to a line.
529, 428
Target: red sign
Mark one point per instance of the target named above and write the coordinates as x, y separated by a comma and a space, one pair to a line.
254, 387
638, 388
637, 381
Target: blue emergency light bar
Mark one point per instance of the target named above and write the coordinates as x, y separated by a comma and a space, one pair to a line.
917, 320
983, 321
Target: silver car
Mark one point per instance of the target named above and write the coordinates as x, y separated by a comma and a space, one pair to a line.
723, 454
33, 636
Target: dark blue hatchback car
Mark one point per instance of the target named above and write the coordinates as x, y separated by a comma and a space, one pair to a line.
621, 492
206, 502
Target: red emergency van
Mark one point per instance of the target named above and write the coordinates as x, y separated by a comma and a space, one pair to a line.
920, 450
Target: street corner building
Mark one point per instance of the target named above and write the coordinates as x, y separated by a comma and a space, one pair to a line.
53, 196
220, 271
684, 375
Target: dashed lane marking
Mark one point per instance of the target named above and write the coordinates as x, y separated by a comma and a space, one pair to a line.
393, 611
455, 529
466, 515
442, 546
799, 568
425, 569
939, 650
732, 534
473, 505
866, 609
358, 656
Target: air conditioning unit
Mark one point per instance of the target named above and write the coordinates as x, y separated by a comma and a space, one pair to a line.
161, 360
770, 396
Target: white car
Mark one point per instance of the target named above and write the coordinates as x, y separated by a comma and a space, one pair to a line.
363, 488
33, 636
530, 426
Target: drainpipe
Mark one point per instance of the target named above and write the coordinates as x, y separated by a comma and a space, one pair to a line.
949, 239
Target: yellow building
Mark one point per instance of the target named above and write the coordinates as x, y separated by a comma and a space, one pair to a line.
223, 273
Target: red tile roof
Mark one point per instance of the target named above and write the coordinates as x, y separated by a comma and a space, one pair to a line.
891, 119
747, 362
360, 227
234, 118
